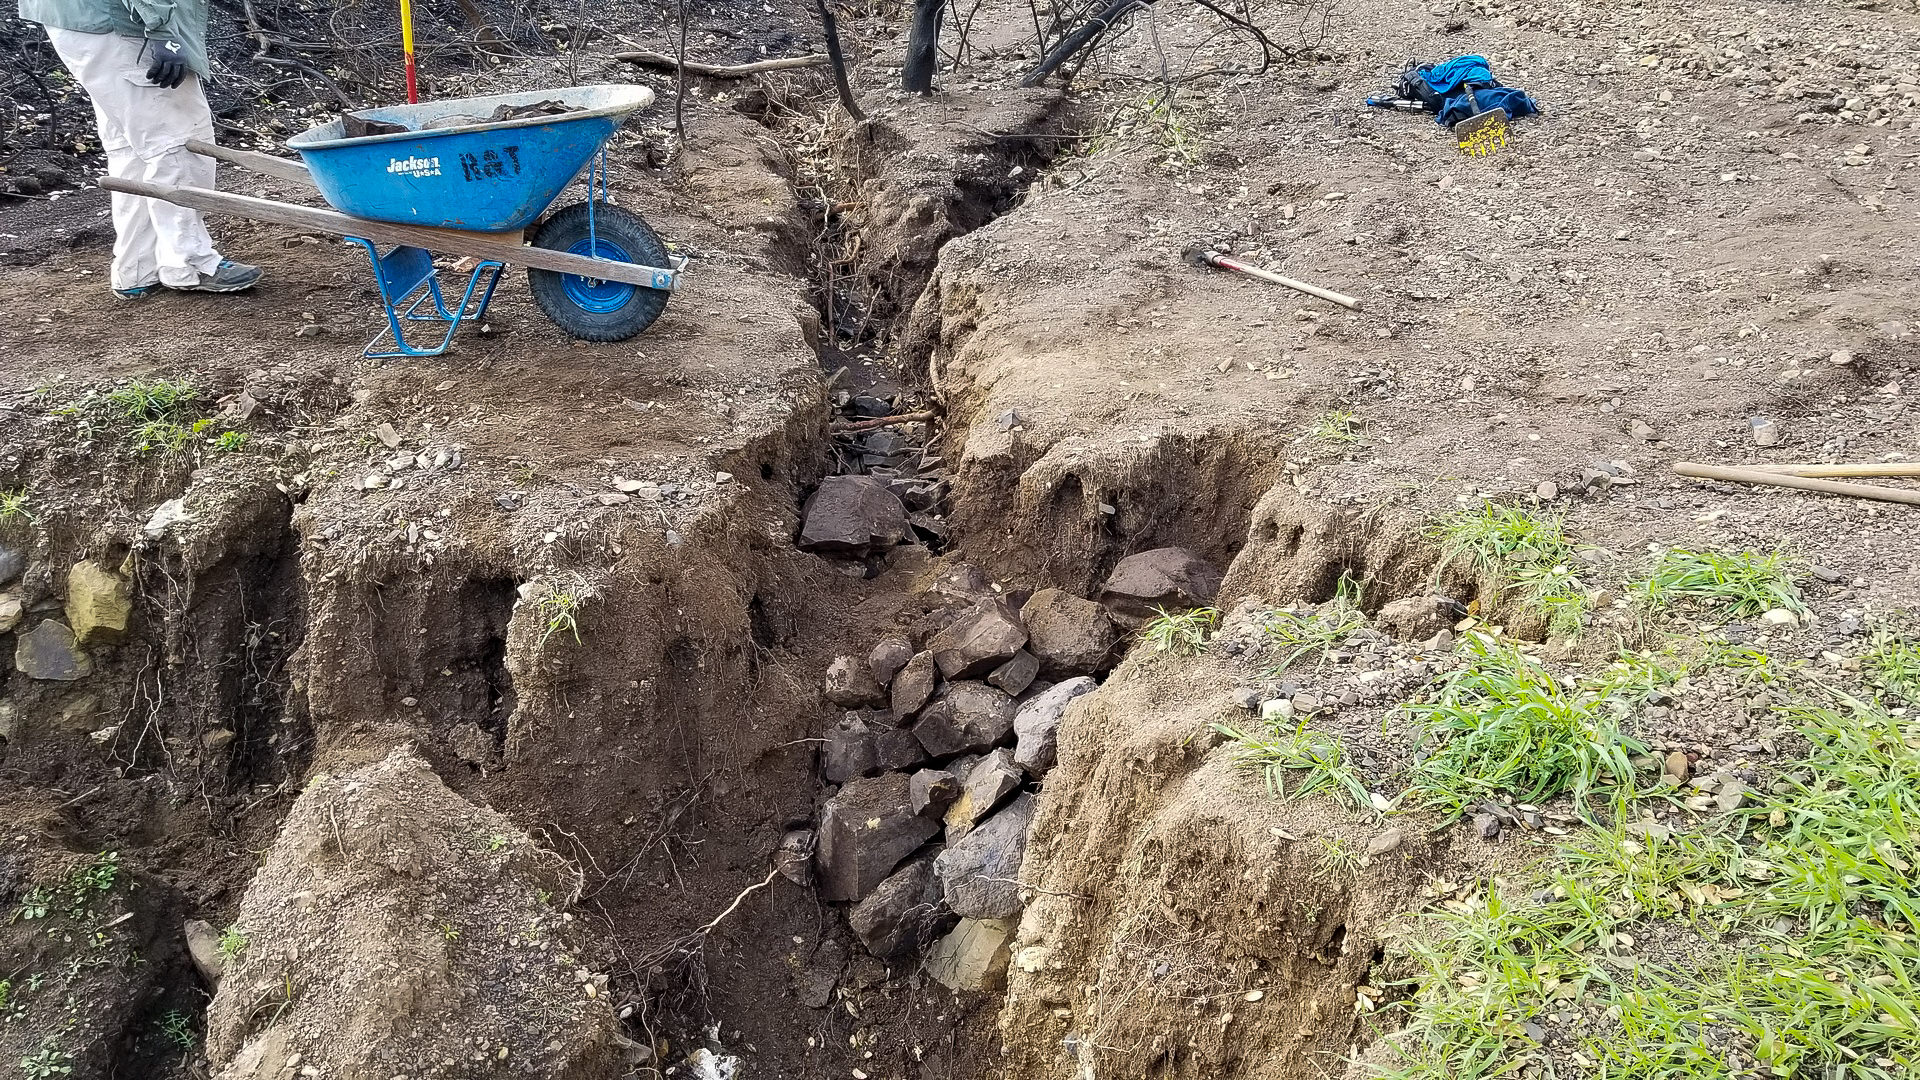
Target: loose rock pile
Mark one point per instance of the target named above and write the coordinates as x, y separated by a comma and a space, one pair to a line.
949, 727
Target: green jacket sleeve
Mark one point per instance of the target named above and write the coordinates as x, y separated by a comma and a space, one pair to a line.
184, 21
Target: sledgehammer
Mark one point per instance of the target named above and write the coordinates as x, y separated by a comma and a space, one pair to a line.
1203, 257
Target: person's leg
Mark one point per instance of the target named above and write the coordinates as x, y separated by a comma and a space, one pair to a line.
100, 62
163, 121
134, 264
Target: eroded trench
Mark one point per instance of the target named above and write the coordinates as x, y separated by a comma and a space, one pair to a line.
645, 764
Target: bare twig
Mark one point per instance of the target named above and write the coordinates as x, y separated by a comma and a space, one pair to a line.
850, 426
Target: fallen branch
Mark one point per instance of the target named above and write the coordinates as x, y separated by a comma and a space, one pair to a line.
846, 427
720, 71
1803, 483
1088, 33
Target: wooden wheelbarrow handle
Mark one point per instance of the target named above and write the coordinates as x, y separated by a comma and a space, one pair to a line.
1804, 483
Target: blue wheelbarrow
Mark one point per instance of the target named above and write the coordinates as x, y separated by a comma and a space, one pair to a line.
476, 177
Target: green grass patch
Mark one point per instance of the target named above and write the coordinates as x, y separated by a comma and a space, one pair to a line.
559, 611
1316, 761
1891, 663
1183, 633
233, 943
1523, 551
1735, 585
1341, 427
1779, 941
13, 506
1501, 723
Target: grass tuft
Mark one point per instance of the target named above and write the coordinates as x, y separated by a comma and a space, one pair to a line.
1526, 552
13, 504
1734, 585
1182, 633
1501, 723
1317, 759
1340, 427
1891, 662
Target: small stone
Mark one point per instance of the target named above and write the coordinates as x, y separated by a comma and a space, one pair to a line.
977, 873
1069, 635
913, 687
1678, 766
794, 857
849, 752
1306, 704
1386, 843
1414, 618
1016, 674
973, 956
1641, 431
1487, 826
1731, 796
99, 604
1037, 724
931, 791
1830, 576
865, 831
1547, 490
980, 640
1245, 697
1766, 432
965, 718
13, 563
901, 914
1841, 357
12, 610
888, 657
1779, 617
897, 750
50, 652
850, 684
203, 947
990, 780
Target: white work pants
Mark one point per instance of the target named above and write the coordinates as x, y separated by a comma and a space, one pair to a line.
144, 130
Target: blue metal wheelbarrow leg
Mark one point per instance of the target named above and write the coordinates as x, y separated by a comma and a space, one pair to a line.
407, 280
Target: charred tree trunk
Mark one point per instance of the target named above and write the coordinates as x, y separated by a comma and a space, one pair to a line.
1088, 33
830, 28
923, 46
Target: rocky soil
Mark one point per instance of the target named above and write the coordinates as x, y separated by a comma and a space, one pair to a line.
766, 695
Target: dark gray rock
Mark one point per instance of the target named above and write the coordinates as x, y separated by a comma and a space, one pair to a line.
865, 831
888, 658
1037, 725
852, 515
794, 857
904, 914
931, 791
984, 637
850, 684
897, 750
977, 874
49, 651
850, 752
966, 718
1170, 579
1016, 674
13, 563
964, 581
988, 783
913, 687
1069, 635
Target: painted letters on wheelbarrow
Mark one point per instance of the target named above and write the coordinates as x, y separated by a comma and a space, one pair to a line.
487, 165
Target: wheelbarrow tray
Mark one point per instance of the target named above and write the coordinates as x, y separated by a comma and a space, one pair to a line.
480, 176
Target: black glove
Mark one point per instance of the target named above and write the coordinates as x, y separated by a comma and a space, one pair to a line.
167, 62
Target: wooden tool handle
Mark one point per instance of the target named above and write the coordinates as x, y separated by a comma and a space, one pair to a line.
1804, 483
1328, 295
1871, 468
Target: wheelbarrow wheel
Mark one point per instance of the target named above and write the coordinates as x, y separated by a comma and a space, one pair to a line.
593, 309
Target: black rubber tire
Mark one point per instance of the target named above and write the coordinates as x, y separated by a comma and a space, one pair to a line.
611, 224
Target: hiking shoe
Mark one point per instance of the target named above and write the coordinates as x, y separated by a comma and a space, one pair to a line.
231, 277
138, 292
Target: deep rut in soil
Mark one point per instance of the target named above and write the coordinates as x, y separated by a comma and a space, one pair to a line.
640, 697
